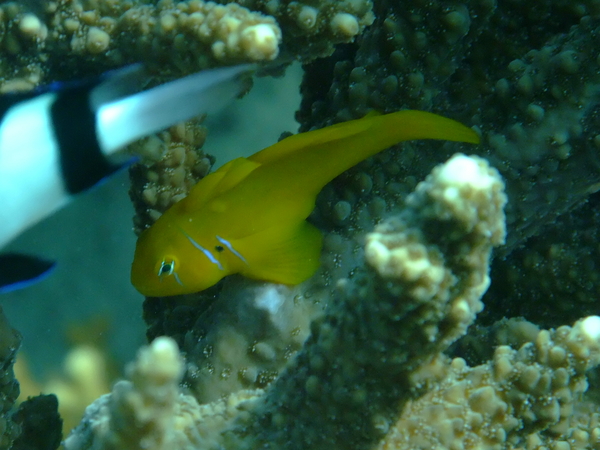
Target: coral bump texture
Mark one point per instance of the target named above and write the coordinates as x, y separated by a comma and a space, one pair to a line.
374, 349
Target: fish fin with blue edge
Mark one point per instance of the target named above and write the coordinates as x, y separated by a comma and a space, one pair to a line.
285, 254
18, 271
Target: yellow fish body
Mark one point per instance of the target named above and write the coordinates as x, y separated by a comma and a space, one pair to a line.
248, 217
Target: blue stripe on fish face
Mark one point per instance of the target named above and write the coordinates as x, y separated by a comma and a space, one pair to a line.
74, 124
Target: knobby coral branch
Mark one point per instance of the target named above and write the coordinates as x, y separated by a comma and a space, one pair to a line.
363, 360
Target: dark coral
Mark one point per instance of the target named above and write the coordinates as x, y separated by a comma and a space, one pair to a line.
41, 425
532, 100
528, 80
10, 341
557, 273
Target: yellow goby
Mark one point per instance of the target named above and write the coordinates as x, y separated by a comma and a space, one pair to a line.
249, 216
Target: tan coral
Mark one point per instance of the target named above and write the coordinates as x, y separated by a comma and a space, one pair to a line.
523, 398
312, 29
356, 364
150, 412
229, 32
485, 407
361, 361
89, 36
171, 164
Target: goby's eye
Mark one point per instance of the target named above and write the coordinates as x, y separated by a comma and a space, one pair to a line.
166, 267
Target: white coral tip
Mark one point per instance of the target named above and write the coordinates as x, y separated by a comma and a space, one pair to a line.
590, 328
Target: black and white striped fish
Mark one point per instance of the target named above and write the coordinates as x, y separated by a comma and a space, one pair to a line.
60, 141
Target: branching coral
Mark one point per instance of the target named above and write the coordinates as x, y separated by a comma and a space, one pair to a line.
85, 37
172, 164
562, 263
436, 56
524, 397
149, 411
524, 74
534, 98
313, 27
89, 36
356, 370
